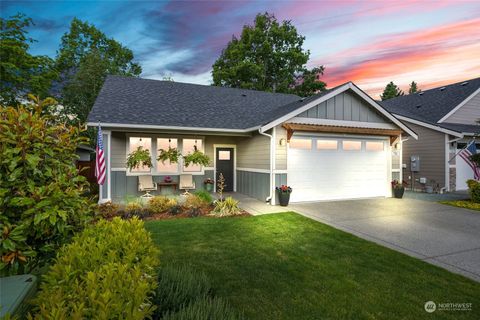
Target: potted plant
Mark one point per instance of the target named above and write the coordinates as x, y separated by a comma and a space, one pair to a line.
170, 154
284, 194
196, 157
139, 158
167, 179
398, 188
208, 184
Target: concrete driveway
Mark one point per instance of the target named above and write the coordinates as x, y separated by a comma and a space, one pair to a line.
442, 235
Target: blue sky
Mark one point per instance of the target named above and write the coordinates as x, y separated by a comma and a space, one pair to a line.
369, 42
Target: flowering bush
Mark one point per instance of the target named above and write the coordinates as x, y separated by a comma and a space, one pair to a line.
397, 184
284, 189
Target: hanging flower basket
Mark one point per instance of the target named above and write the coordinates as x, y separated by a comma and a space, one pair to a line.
171, 154
139, 158
196, 158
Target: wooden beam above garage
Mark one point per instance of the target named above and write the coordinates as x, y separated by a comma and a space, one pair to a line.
292, 127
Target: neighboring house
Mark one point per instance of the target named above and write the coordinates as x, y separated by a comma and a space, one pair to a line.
339, 144
84, 152
445, 120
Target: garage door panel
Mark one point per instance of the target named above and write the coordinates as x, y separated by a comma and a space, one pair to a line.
336, 174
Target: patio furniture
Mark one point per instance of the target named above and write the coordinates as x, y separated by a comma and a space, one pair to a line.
186, 183
146, 184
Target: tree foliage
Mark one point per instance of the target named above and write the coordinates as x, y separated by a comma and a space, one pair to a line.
21, 72
391, 91
267, 57
413, 88
86, 56
41, 192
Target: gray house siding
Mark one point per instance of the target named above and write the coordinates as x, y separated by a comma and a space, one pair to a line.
430, 147
469, 113
253, 184
254, 152
280, 151
345, 106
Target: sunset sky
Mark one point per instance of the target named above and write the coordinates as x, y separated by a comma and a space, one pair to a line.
368, 42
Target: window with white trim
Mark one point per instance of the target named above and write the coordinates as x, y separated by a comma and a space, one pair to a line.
188, 146
146, 144
166, 167
301, 144
352, 145
374, 146
327, 144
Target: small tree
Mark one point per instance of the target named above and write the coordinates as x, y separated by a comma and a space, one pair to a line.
391, 91
41, 192
413, 88
220, 186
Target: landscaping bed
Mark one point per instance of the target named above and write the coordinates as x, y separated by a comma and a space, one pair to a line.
466, 204
285, 266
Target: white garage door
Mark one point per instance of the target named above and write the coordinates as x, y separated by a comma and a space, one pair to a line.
325, 168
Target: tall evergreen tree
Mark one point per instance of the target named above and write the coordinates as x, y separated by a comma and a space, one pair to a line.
413, 88
391, 91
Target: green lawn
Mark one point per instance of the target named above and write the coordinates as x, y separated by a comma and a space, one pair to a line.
467, 204
285, 266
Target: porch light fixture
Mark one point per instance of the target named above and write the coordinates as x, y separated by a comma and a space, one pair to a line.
397, 146
283, 142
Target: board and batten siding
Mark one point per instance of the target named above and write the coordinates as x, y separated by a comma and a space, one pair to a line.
469, 113
430, 147
119, 151
346, 106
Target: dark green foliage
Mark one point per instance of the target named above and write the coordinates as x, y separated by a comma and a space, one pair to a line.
175, 210
177, 287
413, 88
196, 157
476, 159
391, 91
474, 190
205, 308
107, 272
21, 72
139, 158
171, 154
268, 56
40, 189
205, 196
309, 83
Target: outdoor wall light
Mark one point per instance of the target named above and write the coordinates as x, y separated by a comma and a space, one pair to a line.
397, 146
283, 142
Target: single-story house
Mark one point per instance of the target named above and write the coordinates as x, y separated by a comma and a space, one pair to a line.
338, 144
445, 119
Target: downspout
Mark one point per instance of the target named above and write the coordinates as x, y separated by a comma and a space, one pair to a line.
269, 198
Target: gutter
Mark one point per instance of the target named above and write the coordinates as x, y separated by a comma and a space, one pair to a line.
269, 198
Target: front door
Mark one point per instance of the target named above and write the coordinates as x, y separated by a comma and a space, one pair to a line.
224, 162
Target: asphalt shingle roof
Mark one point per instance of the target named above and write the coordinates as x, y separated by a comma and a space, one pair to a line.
432, 105
124, 100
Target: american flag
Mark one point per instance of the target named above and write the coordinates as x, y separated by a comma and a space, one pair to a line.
466, 153
100, 159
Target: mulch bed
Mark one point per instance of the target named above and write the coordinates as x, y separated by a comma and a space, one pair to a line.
183, 215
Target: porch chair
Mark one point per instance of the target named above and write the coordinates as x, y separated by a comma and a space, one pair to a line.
186, 183
146, 184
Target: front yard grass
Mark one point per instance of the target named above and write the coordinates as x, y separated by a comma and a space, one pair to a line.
467, 204
286, 266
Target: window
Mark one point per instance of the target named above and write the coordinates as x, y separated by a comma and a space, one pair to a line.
301, 143
351, 145
167, 167
327, 144
224, 155
189, 147
374, 146
145, 143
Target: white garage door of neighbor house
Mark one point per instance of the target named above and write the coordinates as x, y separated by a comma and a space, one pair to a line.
325, 168
464, 173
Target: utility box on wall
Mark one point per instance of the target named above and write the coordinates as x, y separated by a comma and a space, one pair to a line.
415, 163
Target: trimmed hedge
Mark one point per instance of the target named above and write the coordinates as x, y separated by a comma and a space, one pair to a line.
474, 190
107, 272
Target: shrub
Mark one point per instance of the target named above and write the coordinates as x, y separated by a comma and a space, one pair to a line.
135, 209
178, 287
161, 204
107, 209
228, 207
474, 190
40, 188
175, 210
194, 201
205, 308
205, 196
105, 273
